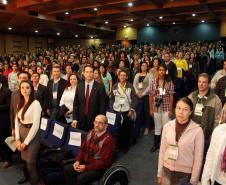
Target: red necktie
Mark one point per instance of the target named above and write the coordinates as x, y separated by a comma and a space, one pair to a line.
87, 99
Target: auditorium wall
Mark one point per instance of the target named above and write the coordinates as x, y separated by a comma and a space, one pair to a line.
83, 42
190, 32
2, 44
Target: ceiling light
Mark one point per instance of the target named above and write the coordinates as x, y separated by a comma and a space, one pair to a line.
9, 28
4, 2
148, 24
76, 36
130, 4
91, 37
58, 33
66, 13
124, 26
95, 9
106, 22
160, 17
193, 15
131, 20
203, 21
173, 23
36, 31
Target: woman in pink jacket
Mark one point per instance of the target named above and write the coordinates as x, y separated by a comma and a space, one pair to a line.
181, 150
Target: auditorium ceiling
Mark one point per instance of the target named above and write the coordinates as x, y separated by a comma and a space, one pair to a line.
85, 18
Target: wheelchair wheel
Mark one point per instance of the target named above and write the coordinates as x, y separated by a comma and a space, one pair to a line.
117, 175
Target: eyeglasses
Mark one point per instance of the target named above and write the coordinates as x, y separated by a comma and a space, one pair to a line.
182, 109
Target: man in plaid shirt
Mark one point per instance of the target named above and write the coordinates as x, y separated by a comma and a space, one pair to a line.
94, 157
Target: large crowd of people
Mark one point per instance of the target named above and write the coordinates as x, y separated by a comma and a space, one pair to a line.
178, 89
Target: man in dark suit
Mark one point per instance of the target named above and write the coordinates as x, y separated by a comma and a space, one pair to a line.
89, 101
40, 90
55, 89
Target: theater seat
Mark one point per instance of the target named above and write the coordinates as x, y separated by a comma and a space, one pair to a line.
44, 128
73, 140
116, 175
57, 134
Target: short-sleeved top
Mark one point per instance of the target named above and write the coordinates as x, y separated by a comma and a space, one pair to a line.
106, 80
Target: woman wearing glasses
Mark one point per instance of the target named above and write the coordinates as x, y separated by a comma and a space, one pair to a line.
181, 150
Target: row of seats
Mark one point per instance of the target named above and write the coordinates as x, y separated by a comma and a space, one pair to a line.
58, 136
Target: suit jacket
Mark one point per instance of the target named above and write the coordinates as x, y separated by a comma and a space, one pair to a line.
96, 105
15, 98
41, 95
60, 90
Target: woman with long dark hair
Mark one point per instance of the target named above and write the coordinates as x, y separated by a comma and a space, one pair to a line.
27, 123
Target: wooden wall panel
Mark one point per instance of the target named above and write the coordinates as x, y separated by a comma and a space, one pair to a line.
223, 28
16, 43
2, 44
37, 42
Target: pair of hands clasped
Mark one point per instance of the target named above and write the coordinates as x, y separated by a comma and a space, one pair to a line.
20, 146
79, 168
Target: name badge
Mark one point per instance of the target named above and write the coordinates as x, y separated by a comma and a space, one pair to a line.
122, 100
172, 152
167, 72
54, 95
140, 85
198, 109
179, 68
190, 66
162, 91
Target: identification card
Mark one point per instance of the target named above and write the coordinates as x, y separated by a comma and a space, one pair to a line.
167, 72
122, 100
190, 66
140, 85
198, 109
172, 152
162, 91
54, 95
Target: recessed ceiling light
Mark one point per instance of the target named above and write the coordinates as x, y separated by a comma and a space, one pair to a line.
148, 24
95, 9
131, 20
58, 33
36, 31
124, 26
4, 2
9, 28
66, 13
160, 17
203, 21
76, 36
106, 22
130, 4
193, 15
173, 23
91, 37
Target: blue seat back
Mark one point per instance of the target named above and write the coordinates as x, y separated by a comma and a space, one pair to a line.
57, 134
114, 121
44, 128
74, 140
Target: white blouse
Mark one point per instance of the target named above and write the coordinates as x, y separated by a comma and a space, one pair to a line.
67, 99
32, 115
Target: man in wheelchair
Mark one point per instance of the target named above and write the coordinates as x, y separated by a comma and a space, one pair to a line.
95, 155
